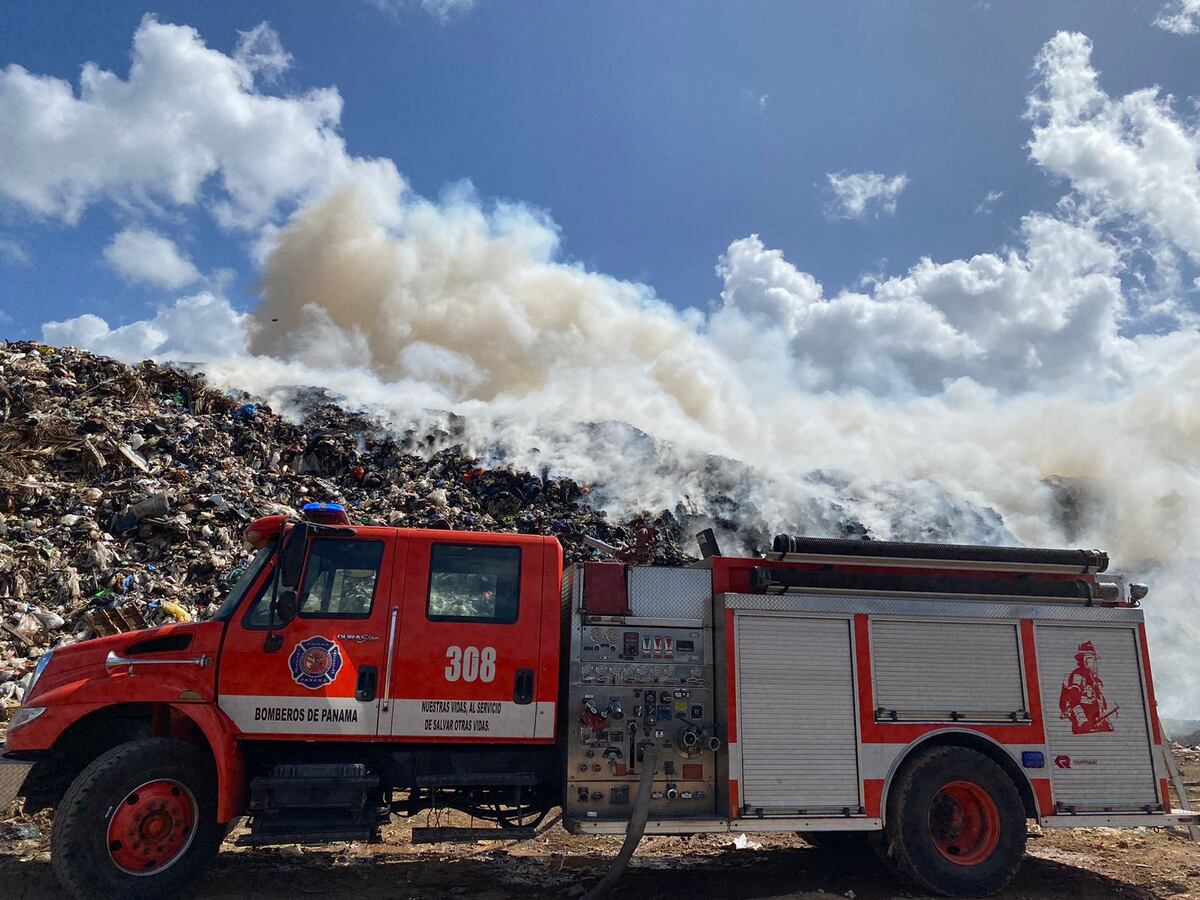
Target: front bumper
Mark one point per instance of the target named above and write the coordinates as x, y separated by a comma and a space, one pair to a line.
12, 777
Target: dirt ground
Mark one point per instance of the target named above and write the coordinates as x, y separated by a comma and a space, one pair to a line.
1080, 864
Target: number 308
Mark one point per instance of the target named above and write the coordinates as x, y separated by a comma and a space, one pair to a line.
471, 663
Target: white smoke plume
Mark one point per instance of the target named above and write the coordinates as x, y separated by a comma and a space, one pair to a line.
943, 402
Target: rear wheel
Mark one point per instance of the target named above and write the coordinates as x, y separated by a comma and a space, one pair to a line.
956, 823
139, 822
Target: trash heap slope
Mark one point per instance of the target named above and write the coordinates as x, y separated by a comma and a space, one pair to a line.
124, 491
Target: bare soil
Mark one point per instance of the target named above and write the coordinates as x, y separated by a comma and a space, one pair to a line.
1080, 864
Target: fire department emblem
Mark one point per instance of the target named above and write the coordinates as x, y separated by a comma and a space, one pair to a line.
315, 662
1081, 700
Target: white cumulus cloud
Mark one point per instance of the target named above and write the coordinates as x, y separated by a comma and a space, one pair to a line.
1180, 17
1046, 315
1131, 159
197, 327
857, 195
141, 254
189, 125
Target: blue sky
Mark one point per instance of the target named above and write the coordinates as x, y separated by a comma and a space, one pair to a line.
638, 127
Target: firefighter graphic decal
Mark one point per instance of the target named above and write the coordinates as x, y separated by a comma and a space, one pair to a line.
1081, 701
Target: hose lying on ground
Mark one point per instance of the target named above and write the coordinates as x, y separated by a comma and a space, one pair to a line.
635, 828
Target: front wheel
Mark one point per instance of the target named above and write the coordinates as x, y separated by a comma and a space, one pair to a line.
956, 823
139, 822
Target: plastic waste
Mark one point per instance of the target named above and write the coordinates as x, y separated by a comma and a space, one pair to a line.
175, 611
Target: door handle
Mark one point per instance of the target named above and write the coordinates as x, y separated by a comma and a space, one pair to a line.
368, 680
523, 687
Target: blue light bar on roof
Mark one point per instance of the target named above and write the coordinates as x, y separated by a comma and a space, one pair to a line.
325, 513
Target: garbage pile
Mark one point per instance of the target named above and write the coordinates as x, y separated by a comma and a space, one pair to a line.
124, 491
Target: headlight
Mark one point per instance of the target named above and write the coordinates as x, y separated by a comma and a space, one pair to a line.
43, 661
24, 716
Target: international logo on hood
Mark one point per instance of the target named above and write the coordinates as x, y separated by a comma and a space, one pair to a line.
315, 662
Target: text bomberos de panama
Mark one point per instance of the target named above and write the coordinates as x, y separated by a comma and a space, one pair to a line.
292, 714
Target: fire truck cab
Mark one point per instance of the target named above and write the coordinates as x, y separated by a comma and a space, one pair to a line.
925, 699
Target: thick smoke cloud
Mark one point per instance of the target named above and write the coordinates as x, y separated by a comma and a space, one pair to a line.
942, 402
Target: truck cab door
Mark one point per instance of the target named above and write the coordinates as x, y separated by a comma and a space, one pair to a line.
326, 676
469, 643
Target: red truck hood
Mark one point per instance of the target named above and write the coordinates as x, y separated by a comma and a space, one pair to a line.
77, 671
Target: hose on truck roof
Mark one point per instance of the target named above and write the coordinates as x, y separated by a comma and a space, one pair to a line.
1085, 560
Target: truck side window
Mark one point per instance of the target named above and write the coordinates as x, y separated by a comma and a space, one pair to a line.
339, 580
245, 581
471, 583
259, 612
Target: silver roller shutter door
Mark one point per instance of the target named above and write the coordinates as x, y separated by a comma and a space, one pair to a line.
943, 667
796, 713
1097, 768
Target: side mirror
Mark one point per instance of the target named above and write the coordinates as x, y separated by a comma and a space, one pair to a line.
291, 561
285, 606
287, 578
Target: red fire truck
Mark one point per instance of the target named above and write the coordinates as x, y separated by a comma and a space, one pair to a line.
925, 699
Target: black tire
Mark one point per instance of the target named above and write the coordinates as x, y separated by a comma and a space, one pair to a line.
839, 843
916, 825
79, 840
882, 848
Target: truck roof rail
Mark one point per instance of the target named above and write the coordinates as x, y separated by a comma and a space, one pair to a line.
1026, 590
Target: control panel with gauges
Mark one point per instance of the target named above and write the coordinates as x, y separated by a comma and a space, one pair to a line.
637, 680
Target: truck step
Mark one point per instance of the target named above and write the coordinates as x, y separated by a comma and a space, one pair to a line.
322, 786
315, 804
469, 835
321, 826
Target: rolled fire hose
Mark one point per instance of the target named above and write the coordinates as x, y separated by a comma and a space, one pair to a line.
635, 828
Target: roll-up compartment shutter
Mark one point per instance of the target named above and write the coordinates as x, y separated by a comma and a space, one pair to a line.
1096, 718
796, 714
947, 671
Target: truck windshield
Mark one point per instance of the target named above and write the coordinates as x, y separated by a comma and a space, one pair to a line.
247, 578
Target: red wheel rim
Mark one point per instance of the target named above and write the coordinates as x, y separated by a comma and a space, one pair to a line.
152, 827
964, 823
